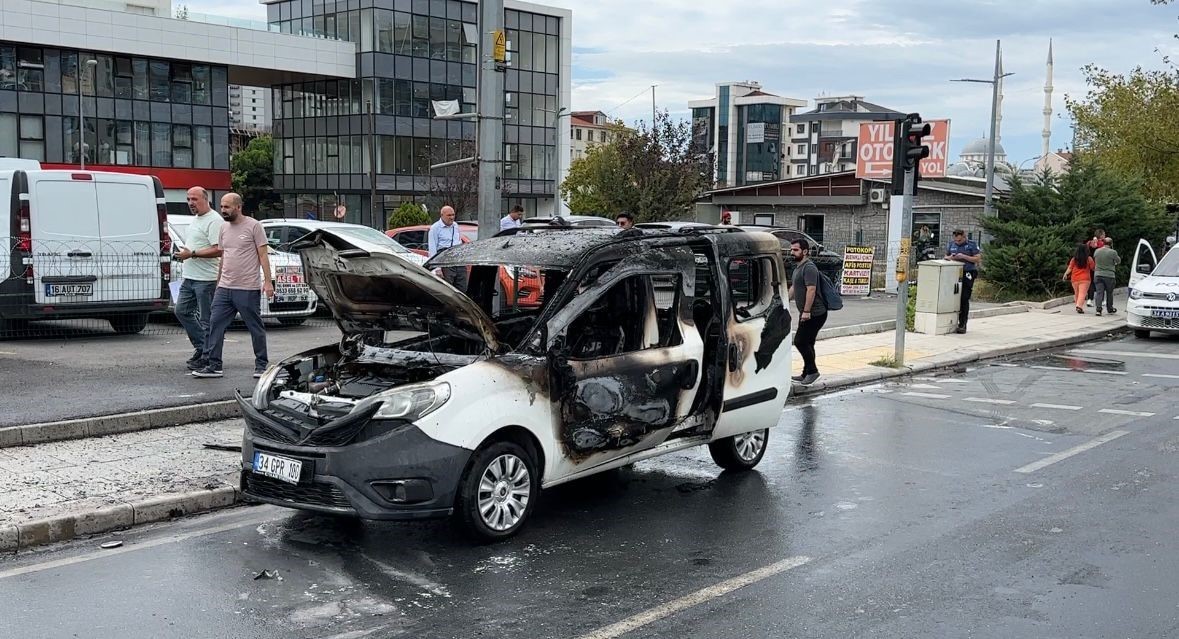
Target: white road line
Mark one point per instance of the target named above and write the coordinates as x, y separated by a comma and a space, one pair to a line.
1057, 406
1160, 376
927, 395
925, 386
670, 608
1075, 450
1126, 354
1051, 368
1131, 413
988, 400
1097, 372
134, 546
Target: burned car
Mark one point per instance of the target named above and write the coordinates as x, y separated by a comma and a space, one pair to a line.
442, 403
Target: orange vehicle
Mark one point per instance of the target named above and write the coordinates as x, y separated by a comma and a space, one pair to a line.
415, 239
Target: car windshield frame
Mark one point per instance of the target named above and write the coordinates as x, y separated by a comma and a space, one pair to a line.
1168, 266
375, 237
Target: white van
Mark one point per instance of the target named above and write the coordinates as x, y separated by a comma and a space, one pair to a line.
82, 244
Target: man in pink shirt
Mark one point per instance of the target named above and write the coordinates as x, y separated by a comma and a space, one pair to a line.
240, 286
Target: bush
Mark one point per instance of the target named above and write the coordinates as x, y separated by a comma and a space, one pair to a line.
408, 214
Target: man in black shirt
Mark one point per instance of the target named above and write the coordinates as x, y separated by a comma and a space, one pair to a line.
813, 311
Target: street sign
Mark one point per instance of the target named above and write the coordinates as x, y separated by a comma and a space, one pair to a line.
874, 150
501, 47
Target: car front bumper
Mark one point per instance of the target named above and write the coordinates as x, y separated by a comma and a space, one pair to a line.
1140, 315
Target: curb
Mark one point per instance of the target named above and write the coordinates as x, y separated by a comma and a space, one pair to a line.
51, 530
876, 374
885, 326
30, 434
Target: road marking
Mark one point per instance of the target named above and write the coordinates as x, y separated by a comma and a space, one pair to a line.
1057, 406
1097, 372
1126, 354
134, 546
1075, 450
1051, 368
1131, 413
928, 395
1160, 376
695, 599
987, 400
926, 386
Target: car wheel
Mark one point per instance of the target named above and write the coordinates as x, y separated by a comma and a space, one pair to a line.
291, 322
129, 324
740, 452
1141, 333
497, 492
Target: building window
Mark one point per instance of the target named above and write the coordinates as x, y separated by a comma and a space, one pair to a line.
800, 150
158, 80
202, 147
800, 129
32, 137
124, 78
139, 80
200, 84
124, 142
800, 170
8, 70
143, 144
161, 144
578, 134
8, 135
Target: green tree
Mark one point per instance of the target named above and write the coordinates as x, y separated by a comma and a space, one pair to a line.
653, 174
1039, 223
253, 175
408, 214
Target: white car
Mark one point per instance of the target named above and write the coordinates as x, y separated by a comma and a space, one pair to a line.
1154, 292
293, 302
281, 233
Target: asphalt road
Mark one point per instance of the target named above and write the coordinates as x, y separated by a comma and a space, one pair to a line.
996, 502
67, 370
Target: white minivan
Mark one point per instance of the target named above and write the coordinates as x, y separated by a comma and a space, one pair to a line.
81, 244
1154, 292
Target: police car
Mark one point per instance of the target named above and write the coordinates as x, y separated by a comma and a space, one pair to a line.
1154, 292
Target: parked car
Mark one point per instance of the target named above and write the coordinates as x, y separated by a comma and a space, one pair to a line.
433, 404
414, 238
293, 301
81, 244
830, 263
571, 220
281, 233
1154, 292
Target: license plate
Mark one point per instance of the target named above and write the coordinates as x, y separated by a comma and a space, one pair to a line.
287, 470
1174, 313
69, 290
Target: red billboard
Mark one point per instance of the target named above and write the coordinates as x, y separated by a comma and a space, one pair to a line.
874, 149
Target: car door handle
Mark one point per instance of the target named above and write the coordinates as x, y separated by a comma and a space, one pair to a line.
80, 254
733, 355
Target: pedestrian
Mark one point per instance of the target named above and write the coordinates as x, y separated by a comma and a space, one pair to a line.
804, 290
625, 220
445, 234
1080, 273
1106, 260
240, 286
200, 258
513, 220
1096, 242
966, 251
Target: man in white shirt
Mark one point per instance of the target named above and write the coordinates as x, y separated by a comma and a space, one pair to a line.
201, 258
513, 220
445, 234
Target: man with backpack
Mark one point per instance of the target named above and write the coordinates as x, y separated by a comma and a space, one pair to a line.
806, 290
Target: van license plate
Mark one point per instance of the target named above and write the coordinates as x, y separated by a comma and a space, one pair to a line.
287, 470
1174, 313
69, 290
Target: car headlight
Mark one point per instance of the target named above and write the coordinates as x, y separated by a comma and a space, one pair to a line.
1135, 294
412, 403
262, 388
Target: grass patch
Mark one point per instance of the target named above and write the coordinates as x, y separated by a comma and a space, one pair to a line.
986, 291
888, 361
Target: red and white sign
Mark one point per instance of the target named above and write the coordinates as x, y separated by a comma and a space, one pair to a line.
874, 149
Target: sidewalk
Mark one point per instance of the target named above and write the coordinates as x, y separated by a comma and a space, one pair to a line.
61, 490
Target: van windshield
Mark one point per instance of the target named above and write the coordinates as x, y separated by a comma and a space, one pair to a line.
1168, 266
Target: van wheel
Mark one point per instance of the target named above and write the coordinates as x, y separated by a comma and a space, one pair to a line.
497, 492
291, 322
1141, 334
740, 452
129, 324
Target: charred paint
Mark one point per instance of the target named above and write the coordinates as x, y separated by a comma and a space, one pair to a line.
776, 330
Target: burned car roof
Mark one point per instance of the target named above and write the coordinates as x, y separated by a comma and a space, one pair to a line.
541, 247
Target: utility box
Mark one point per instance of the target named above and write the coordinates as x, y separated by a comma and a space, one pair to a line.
939, 294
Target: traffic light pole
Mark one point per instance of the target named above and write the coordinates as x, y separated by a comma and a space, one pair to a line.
905, 202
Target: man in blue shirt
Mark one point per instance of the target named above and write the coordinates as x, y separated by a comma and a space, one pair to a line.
967, 252
444, 234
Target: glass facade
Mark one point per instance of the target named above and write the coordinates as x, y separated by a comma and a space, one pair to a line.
759, 149
722, 142
410, 53
137, 111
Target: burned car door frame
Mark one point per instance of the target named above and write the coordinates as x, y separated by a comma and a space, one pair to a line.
614, 393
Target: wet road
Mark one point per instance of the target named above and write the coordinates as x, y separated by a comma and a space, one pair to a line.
1034, 498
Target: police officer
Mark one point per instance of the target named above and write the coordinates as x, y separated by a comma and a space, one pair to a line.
967, 252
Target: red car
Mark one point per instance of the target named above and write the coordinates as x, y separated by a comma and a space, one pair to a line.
415, 239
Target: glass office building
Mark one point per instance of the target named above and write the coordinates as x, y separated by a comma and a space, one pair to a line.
410, 53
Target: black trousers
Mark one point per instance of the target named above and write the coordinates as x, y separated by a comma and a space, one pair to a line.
964, 304
804, 341
1105, 291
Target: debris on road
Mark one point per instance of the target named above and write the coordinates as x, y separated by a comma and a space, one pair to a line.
268, 574
110, 545
225, 447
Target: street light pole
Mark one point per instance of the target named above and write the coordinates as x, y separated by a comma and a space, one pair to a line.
559, 113
492, 69
90, 64
988, 198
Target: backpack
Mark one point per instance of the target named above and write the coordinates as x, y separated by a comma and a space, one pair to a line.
831, 297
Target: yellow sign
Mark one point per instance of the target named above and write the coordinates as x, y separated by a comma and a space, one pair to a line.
501, 47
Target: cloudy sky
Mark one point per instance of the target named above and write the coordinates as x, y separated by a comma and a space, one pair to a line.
898, 54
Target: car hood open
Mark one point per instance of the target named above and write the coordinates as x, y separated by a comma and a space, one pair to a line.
378, 291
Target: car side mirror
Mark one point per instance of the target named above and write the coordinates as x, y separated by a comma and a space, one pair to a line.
1145, 269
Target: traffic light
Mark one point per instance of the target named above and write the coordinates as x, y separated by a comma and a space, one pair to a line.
908, 151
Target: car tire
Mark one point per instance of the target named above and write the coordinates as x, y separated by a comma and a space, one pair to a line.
740, 452
129, 324
494, 498
291, 322
1141, 333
